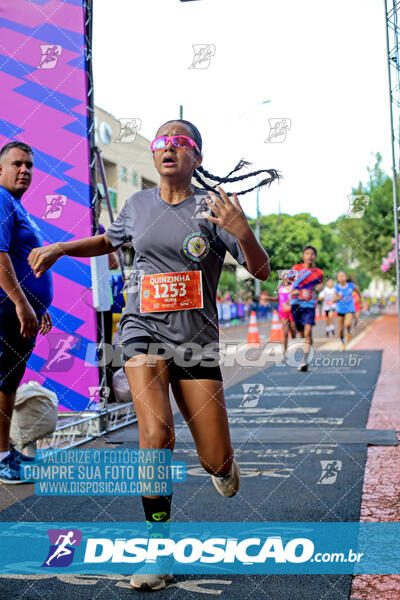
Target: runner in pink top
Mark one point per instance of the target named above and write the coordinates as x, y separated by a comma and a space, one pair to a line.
285, 314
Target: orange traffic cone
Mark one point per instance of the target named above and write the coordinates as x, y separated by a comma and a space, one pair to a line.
253, 337
276, 333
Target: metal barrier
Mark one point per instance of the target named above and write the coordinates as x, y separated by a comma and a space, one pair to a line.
78, 428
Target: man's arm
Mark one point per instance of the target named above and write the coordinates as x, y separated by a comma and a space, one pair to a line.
9, 282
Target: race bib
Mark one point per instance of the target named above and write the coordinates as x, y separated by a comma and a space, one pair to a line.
162, 292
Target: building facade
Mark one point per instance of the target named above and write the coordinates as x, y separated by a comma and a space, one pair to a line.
127, 159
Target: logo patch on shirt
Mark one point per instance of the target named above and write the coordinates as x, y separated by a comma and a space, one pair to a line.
196, 246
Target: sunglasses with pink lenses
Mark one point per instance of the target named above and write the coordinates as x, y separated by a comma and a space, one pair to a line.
179, 141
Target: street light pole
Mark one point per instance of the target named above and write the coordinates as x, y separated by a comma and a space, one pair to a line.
393, 101
257, 283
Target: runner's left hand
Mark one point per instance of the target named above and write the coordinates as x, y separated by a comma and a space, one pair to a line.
229, 213
45, 324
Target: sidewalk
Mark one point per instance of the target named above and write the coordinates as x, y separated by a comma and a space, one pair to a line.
381, 491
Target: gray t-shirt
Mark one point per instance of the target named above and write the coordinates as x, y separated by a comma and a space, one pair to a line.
159, 233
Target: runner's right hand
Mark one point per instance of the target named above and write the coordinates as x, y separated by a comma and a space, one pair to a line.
27, 317
41, 259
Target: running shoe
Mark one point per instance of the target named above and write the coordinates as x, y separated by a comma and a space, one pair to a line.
343, 346
229, 485
10, 470
303, 368
18, 456
151, 581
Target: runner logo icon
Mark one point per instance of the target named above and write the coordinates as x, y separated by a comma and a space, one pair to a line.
251, 394
60, 359
203, 54
62, 547
50, 55
330, 470
278, 129
201, 206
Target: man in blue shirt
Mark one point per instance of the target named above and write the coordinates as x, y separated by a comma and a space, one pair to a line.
23, 298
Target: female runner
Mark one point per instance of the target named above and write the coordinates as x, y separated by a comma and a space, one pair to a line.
284, 310
344, 291
182, 231
357, 304
327, 295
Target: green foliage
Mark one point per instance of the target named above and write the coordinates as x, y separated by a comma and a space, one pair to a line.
271, 285
356, 245
366, 240
360, 278
284, 237
227, 282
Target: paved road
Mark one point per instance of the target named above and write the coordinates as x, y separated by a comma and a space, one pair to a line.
279, 483
238, 334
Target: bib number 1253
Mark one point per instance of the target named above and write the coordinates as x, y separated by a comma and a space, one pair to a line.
171, 291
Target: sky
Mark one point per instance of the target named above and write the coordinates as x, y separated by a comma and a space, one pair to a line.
321, 65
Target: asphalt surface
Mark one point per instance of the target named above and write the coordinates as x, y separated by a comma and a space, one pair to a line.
279, 480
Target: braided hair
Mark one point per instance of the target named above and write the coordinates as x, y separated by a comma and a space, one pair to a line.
273, 174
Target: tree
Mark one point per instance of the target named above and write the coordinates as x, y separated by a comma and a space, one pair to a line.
284, 237
365, 241
227, 282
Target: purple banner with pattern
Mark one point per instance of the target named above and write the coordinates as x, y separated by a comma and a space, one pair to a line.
44, 103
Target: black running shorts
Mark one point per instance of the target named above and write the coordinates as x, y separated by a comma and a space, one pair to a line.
178, 369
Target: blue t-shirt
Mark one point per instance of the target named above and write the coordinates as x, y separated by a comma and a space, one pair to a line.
19, 234
345, 304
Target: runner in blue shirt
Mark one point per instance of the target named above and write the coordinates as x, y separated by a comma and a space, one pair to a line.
345, 306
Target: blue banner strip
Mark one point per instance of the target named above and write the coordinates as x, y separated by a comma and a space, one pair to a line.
201, 548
